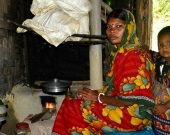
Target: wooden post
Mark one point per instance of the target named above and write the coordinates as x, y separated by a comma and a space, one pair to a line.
144, 21
95, 52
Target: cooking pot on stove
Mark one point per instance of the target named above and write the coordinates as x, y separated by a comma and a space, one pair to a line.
56, 86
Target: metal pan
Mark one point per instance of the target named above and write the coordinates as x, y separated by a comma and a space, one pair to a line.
56, 86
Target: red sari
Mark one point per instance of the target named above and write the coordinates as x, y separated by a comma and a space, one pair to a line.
88, 117
129, 79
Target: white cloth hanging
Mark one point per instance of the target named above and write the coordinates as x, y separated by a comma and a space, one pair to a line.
57, 20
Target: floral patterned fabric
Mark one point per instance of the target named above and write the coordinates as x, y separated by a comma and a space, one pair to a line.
129, 78
161, 91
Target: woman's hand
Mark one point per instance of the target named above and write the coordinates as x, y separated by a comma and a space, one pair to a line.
143, 49
78, 95
159, 109
87, 94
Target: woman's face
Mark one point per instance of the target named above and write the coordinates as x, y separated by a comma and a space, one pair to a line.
115, 30
164, 46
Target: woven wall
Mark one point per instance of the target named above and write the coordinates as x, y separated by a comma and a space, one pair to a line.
12, 46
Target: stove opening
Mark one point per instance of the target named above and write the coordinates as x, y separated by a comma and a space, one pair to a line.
47, 99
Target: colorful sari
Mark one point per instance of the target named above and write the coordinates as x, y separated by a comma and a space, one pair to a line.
129, 78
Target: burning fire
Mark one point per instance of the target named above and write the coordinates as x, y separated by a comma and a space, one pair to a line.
49, 105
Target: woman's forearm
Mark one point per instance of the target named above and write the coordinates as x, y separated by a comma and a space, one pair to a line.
113, 100
167, 104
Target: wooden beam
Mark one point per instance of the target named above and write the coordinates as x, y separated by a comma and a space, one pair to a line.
143, 20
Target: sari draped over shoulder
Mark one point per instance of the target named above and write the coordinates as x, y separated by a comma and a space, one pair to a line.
130, 79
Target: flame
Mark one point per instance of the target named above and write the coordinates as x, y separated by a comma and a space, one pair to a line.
49, 105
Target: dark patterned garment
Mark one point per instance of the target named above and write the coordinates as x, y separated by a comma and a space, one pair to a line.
161, 93
162, 68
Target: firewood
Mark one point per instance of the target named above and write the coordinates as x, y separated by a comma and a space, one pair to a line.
37, 117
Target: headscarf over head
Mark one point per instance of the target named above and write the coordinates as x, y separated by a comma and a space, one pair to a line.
129, 40
129, 37
128, 43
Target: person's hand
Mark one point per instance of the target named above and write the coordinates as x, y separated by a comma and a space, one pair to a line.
143, 49
78, 94
159, 109
87, 94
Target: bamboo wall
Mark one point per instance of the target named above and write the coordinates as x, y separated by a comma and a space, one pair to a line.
12, 46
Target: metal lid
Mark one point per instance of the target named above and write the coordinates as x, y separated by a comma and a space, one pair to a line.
22, 125
56, 83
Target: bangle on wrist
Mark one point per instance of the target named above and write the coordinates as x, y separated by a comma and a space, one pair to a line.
99, 97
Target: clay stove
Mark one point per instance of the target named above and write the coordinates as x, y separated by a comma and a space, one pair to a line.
25, 100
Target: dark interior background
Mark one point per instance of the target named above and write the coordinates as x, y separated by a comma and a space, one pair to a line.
67, 61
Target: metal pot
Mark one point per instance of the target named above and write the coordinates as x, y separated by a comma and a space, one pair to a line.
56, 86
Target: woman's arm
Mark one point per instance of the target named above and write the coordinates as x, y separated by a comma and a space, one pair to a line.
161, 108
88, 94
144, 49
130, 86
113, 100
167, 104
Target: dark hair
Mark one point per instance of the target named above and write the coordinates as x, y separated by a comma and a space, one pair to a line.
165, 30
117, 13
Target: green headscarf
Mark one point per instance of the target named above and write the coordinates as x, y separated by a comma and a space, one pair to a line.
129, 37
129, 40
